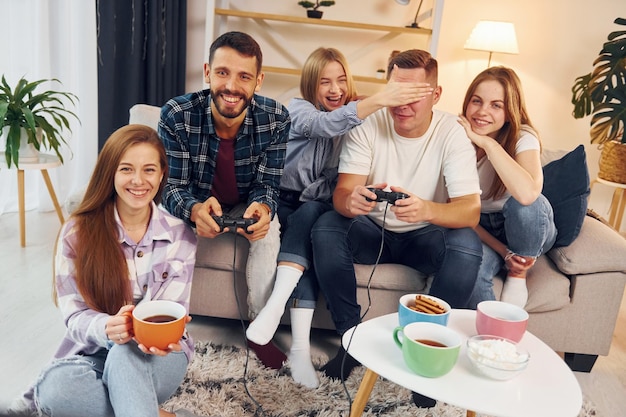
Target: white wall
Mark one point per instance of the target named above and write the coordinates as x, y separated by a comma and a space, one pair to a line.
558, 41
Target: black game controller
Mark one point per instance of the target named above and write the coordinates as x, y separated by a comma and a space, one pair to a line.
233, 223
390, 196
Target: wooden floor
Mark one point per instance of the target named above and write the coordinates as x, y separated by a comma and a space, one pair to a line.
31, 327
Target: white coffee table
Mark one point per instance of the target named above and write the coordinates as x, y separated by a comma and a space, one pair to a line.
546, 388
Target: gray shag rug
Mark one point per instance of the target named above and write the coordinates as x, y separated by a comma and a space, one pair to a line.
214, 386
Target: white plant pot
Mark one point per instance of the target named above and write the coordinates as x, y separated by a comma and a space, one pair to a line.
27, 151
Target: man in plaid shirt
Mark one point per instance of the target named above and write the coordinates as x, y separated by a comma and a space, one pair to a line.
226, 151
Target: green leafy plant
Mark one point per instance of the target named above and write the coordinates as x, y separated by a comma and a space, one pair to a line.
316, 5
43, 116
602, 92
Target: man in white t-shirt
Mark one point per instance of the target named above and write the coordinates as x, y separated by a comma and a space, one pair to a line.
425, 154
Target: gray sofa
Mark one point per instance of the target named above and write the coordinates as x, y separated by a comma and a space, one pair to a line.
574, 292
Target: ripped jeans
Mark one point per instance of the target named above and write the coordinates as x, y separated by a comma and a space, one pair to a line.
121, 382
526, 230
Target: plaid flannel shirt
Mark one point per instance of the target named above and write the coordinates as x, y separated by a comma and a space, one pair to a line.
187, 130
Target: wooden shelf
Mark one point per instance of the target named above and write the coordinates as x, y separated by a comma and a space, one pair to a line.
386, 34
322, 22
296, 72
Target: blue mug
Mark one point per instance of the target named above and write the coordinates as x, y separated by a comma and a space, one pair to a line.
407, 315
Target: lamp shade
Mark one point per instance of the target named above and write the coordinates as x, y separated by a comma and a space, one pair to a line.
493, 36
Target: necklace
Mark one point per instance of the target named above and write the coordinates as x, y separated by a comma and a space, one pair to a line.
135, 228
142, 225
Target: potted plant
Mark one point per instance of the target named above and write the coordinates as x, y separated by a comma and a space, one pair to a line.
35, 119
602, 93
312, 7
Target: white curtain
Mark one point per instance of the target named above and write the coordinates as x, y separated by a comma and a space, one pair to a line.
53, 39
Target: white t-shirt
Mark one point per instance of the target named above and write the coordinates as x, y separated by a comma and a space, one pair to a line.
439, 165
486, 172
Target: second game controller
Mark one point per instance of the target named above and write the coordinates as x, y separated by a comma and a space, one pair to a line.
390, 196
233, 223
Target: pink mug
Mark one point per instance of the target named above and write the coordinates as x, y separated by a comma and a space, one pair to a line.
498, 318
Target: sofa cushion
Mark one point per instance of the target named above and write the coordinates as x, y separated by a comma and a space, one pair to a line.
145, 114
391, 277
548, 289
566, 186
222, 251
549, 155
598, 248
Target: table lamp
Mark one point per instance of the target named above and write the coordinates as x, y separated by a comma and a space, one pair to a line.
493, 37
404, 3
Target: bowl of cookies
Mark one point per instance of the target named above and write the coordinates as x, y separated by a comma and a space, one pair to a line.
421, 307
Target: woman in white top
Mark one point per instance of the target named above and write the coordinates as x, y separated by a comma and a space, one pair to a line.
516, 222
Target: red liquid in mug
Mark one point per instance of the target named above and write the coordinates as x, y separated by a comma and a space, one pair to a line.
430, 342
161, 318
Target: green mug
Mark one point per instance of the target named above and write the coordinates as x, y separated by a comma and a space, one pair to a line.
429, 349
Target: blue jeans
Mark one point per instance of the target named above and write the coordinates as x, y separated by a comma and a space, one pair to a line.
297, 219
121, 382
526, 230
451, 255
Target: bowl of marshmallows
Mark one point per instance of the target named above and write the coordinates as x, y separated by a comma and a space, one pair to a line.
496, 357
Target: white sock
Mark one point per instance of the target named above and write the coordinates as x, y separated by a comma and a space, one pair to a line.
302, 369
514, 291
262, 328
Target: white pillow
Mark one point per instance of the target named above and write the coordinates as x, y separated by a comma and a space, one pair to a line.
145, 114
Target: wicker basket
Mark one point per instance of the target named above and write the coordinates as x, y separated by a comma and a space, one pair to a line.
613, 162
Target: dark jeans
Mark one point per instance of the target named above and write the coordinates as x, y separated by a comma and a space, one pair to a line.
296, 220
452, 255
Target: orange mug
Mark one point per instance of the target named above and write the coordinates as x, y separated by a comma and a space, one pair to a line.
158, 323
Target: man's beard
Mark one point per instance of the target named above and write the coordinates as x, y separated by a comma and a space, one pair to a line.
228, 112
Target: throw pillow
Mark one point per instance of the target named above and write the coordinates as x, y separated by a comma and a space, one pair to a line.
566, 186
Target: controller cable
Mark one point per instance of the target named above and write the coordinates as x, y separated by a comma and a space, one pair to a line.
369, 304
259, 408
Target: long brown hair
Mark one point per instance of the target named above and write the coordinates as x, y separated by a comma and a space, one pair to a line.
101, 269
516, 116
312, 74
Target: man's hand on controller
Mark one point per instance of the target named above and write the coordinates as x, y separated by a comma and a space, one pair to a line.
358, 203
408, 208
381, 196
412, 209
260, 212
201, 215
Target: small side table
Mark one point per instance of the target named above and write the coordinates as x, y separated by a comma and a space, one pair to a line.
44, 163
618, 203
546, 388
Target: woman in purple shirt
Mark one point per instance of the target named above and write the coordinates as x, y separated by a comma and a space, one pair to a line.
117, 250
